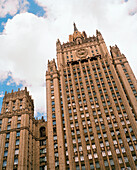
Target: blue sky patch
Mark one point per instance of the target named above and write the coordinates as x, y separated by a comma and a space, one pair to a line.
4, 20
7, 85
39, 116
35, 8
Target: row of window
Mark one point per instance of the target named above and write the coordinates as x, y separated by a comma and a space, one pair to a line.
14, 102
9, 119
13, 108
15, 162
8, 135
16, 152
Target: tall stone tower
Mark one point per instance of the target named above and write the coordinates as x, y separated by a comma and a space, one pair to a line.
16, 125
91, 106
22, 138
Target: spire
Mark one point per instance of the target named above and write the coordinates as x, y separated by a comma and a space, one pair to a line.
75, 28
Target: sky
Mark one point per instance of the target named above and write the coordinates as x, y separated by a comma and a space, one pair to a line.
29, 30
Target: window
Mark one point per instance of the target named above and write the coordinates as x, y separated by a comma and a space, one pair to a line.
6, 144
43, 159
90, 156
82, 158
134, 91
19, 117
111, 162
42, 132
4, 163
42, 151
18, 134
20, 101
43, 142
9, 120
125, 70
57, 163
107, 143
91, 166
115, 142
109, 152
53, 116
106, 163
8, 136
52, 97
53, 109
101, 145
117, 151
126, 159
133, 138
88, 147
15, 161
120, 141
95, 155
16, 151
0, 121
76, 159
103, 153
5, 153
90, 129
131, 148
120, 160
80, 148
104, 134
53, 103
94, 146
18, 125
17, 142
97, 165
8, 127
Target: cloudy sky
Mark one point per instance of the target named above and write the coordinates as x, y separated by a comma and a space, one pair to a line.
29, 30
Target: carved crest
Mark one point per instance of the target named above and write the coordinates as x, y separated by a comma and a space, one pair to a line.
81, 53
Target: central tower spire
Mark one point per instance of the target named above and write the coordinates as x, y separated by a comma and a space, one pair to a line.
75, 28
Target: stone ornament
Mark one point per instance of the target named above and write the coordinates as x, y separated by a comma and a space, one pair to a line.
81, 53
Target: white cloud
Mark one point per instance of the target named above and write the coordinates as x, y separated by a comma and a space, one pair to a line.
28, 41
3, 75
1, 94
11, 7
25, 46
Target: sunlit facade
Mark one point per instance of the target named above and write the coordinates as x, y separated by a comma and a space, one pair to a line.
91, 106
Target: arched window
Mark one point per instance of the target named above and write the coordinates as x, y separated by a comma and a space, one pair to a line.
79, 41
42, 132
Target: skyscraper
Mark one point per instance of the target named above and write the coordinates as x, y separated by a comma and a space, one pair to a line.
91, 113
91, 106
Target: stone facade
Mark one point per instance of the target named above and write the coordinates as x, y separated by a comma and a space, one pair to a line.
91, 112
22, 137
91, 106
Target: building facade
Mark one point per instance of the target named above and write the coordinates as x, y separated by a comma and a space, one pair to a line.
91, 106
22, 137
91, 122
